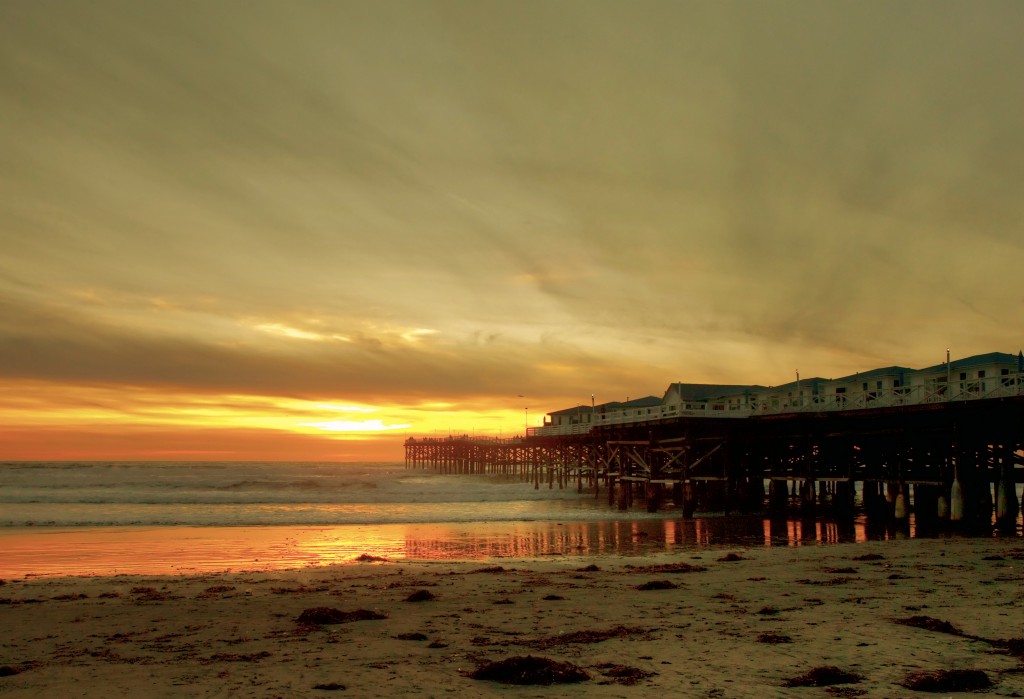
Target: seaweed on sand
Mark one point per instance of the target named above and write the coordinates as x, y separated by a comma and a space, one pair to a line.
577, 637
530, 670
822, 676
947, 681
930, 623
773, 638
329, 615
623, 674
421, 596
681, 567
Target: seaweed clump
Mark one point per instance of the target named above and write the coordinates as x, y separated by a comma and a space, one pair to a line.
930, 624
527, 669
586, 636
773, 638
680, 567
947, 681
421, 596
823, 676
623, 674
329, 686
329, 615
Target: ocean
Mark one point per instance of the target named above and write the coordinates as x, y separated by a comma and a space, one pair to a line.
103, 494
102, 518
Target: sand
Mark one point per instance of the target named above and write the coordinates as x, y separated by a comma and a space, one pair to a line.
712, 623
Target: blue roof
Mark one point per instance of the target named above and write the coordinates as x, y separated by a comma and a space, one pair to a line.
884, 371
708, 391
645, 402
811, 382
975, 360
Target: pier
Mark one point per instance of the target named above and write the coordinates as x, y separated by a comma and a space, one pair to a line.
949, 463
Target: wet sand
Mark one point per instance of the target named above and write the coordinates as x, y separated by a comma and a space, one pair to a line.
720, 622
181, 550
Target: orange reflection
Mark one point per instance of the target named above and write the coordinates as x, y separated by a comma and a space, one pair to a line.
187, 550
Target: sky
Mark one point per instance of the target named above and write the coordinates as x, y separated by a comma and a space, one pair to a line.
309, 230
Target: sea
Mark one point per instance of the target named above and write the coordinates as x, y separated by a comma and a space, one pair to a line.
110, 518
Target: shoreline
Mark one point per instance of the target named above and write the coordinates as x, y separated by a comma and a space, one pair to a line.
740, 623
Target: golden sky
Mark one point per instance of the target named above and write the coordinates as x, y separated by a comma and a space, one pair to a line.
308, 230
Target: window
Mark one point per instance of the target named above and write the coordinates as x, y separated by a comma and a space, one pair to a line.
981, 373
963, 375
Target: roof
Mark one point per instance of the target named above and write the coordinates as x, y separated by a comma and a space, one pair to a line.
884, 371
976, 360
709, 391
803, 383
645, 402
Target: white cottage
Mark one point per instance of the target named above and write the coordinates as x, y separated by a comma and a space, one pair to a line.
869, 389
709, 399
989, 375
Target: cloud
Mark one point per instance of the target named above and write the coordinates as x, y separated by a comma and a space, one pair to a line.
468, 201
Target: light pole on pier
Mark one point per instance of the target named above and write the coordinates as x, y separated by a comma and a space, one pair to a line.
949, 378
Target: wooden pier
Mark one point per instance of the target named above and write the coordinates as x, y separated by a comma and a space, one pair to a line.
953, 462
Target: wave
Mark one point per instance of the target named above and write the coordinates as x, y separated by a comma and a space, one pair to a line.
247, 484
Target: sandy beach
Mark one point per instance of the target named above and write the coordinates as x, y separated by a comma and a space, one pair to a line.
714, 623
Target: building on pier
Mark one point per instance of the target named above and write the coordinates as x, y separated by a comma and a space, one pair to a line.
705, 397
583, 417
990, 375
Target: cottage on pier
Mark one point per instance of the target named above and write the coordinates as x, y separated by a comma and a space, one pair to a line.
982, 375
709, 398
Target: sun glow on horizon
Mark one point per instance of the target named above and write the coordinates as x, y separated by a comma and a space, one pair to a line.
61, 421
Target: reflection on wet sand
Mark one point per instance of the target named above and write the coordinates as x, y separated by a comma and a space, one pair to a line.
637, 537
188, 550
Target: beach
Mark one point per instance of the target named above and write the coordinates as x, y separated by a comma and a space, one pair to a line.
716, 622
